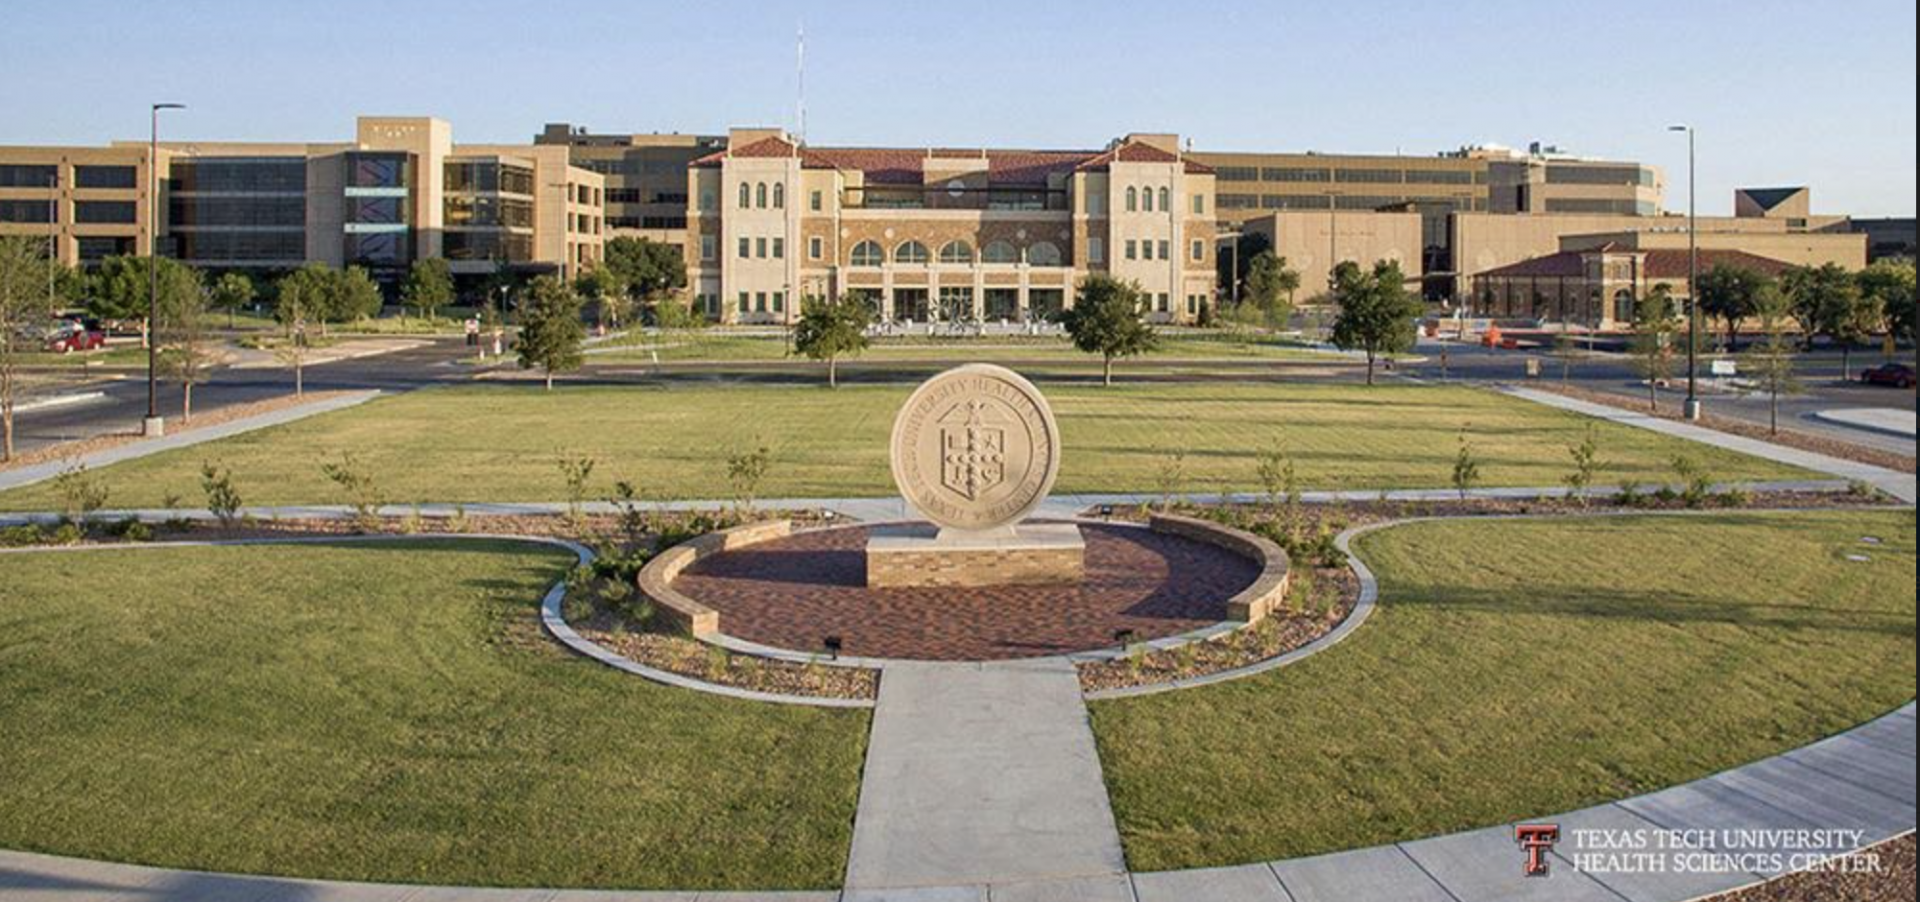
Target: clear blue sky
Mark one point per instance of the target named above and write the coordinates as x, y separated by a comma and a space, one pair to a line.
1808, 92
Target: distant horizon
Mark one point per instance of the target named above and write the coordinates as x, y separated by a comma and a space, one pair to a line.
1784, 92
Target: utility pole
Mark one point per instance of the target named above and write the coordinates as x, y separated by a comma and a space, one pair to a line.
1692, 408
53, 231
154, 426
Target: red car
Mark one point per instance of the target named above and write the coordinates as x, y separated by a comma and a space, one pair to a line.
72, 336
1898, 375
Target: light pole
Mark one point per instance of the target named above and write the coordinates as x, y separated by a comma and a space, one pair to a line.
154, 425
1692, 409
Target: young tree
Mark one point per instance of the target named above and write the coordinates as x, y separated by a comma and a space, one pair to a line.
1727, 292
182, 334
1890, 285
428, 287
301, 293
1771, 361
1105, 320
550, 329
355, 298
1270, 287
1377, 313
232, 291
1654, 322
1826, 300
830, 329
23, 300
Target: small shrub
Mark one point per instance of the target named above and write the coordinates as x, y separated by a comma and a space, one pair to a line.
1466, 468
412, 524
223, 500
458, 522
746, 470
576, 471
66, 534
1170, 479
1860, 488
1629, 495
635, 520
1586, 464
1696, 486
137, 531
717, 661
363, 491
80, 493
24, 535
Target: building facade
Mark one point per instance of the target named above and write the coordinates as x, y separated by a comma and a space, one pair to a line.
90, 203
946, 235
1600, 287
646, 176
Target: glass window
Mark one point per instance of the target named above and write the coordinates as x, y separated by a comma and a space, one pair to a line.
1295, 174
814, 201
376, 170
1133, 199
779, 196
1164, 245
252, 175
999, 252
1237, 173
867, 253
760, 301
746, 248
1146, 202
30, 211
709, 247
760, 196
779, 302
20, 175
760, 248
956, 252
1199, 205
104, 177
1369, 176
779, 248
744, 303
1096, 203
910, 252
1165, 205
1132, 249
1096, 250
1199, 250
1043, 253
816, 248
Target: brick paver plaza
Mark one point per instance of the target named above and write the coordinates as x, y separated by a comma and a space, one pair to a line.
792, 592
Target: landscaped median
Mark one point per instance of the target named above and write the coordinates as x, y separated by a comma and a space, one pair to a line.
505, 443
386, 710
1517, 668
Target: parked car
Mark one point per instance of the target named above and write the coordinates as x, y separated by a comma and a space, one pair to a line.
1898, 375
72, 336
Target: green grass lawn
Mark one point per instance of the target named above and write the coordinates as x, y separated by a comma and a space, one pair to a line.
502, 443
1521, 669
386, 712
716, 346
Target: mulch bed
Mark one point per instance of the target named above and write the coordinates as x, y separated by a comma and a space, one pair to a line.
1891, 881
1804, 441
175, 426
692, 658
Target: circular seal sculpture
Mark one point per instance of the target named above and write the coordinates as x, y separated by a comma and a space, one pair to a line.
976, 448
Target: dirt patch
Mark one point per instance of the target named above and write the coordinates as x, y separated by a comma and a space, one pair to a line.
1884, 873
216, 417
1804, 441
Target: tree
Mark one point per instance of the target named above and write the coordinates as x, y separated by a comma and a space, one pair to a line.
182, 336
550, 329
356, 298
1727, 292
1826, 300
1105, 320
1270, 287
829, 329
605, 291
1770, 363
645, 267
1248, 246
300, 294
1377, 314
1654, 322
428, 286
122, 288
232, 291
1890, 284
23, 300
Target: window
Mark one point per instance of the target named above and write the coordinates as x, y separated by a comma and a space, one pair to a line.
706, 199
779, 248
1162, 299
1146, 201
779, 196
103, 211
1295, 174
1133, 199
745, 305
910, 252
1199, 250
999, 252
779, 302
813, 201
816, 248
709, 247
746, 195
746, 248
104, 177
760, 248
1043, 253
760, 301
29, 211
1096, 250
1133, 249
867, 253
956, 252
760, 195
1165, 204
21, 175
1199, 205
1164, 255
1237, 173
1370, 176
1096, 203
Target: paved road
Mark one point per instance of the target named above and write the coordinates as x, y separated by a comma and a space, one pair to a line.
1819, 372
125, 403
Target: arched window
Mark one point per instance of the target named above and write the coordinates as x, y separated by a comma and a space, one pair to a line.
868, 253
956, 252
746, 195
1623, 311
1165, 207
999, 252
760, 196
910, 252
1043, 253
1146, 199
779, 196
1133, 199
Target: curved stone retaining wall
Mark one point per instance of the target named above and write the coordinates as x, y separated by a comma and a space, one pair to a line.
1269, 589
656, 578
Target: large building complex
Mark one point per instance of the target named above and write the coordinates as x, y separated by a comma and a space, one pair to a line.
924, 234
400, 191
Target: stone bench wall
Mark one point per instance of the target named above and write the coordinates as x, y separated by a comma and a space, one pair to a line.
1269, 589
656, 578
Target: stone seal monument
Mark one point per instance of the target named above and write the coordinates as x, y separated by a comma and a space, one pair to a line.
974, 451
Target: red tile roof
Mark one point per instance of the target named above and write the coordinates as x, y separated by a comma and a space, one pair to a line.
1662, 263
907, 166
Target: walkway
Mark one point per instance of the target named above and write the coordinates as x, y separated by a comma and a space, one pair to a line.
28, 475
1899, 485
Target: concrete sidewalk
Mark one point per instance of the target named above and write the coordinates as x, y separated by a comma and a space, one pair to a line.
978, 775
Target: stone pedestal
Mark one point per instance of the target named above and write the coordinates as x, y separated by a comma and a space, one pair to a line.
1028, 554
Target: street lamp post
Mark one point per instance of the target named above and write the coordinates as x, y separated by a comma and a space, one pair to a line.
154, 425
1692, 408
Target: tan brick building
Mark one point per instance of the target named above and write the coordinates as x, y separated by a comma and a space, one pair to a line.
946, 234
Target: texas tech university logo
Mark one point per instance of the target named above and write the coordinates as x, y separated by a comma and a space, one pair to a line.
973, 449
1537, 840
